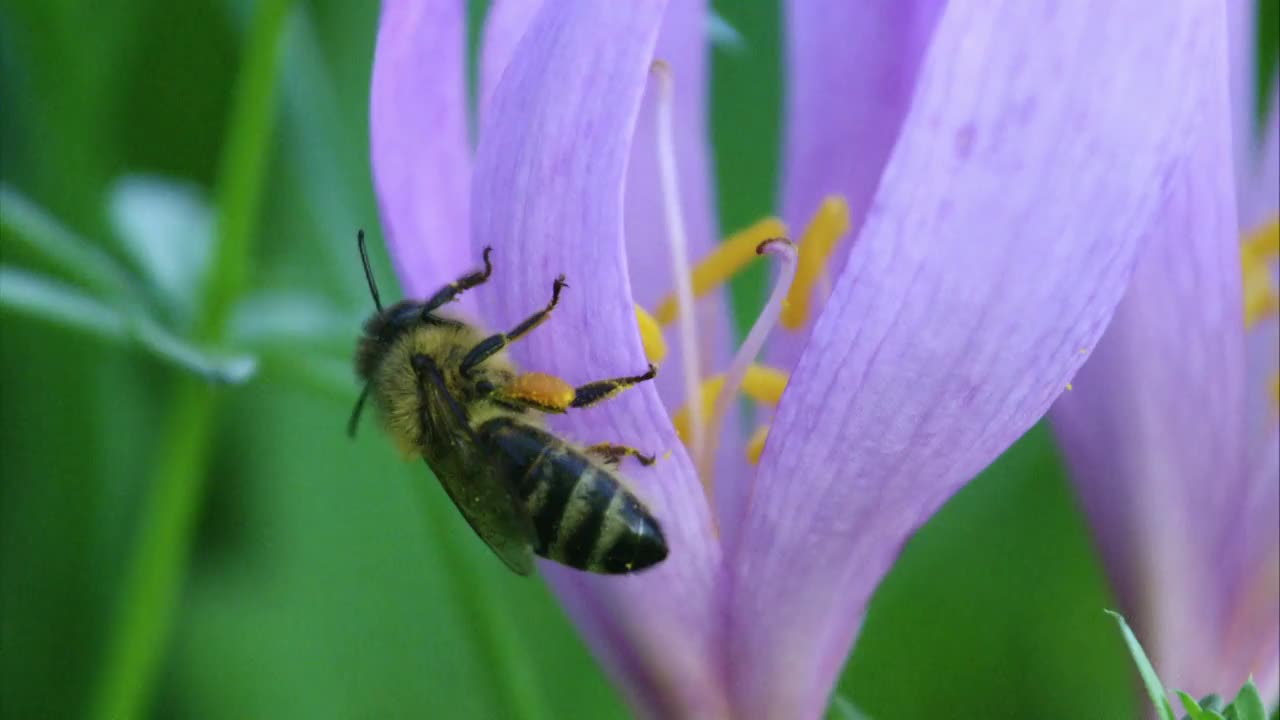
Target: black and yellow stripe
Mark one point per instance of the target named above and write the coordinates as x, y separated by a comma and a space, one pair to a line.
583, 515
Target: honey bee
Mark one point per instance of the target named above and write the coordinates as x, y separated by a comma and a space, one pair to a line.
450, 393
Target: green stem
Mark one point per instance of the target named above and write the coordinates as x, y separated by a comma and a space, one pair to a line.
153, 579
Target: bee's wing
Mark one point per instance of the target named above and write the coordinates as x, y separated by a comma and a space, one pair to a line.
474, 482
486, 500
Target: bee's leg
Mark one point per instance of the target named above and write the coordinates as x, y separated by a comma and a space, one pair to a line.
429, 372
550, 394
450, 292
492, 344
612, 454
601, 390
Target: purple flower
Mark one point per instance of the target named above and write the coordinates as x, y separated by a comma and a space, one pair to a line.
1003, 164
1171, 430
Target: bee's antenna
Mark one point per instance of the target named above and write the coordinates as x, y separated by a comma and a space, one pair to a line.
368, 271
354, 420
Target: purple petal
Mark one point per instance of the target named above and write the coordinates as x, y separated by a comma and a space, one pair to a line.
504, 26
1040, 140
682, 44
418, 139
1154, 430
851, 74
548, 196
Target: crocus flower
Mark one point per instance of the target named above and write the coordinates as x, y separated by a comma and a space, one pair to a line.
1003, 163
1171, 430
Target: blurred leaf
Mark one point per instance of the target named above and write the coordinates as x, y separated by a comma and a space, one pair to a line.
1212, 701
29, 226
1149, 678
842, 708
1195, 711
289, 317
1248, 704
166, 226
723, 35
46, 299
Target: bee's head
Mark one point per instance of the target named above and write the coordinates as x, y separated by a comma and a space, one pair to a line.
381, 331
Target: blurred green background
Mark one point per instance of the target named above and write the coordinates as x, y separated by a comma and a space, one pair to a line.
289, 572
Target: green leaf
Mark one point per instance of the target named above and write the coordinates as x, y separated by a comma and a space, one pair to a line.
1248, 704
166, 226
289, 318
1194, 711
1206, 709
1149, 678
27, 225
62, 305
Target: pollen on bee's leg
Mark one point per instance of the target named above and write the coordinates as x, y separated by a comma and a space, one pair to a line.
755, 446
727, 259
539, 390
761, 383
828, 225
1258, 254
655, 345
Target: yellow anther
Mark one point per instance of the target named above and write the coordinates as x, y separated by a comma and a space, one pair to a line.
1258, 252
729, 257
816, 245
755, 446
1264, 242
655, 346
762, 383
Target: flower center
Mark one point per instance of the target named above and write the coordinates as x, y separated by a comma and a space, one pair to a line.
1258, 256
803, 270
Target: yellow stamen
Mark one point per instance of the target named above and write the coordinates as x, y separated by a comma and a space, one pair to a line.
655, 346
725, 261
755, 446
761, 383
816, 245
1258, 252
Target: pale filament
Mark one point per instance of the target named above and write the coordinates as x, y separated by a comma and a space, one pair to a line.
785, 251
678, 241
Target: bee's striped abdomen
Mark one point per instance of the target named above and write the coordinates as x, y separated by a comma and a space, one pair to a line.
583, 515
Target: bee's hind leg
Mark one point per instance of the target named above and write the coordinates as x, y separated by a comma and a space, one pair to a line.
550, 394
492, 344
612, 454
601, 390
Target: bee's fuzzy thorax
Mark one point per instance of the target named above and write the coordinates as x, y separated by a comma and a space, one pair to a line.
396, 382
